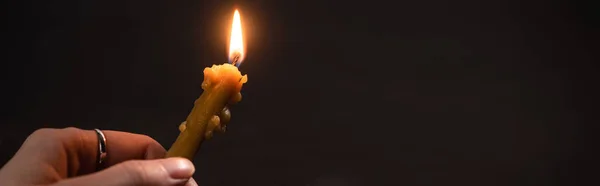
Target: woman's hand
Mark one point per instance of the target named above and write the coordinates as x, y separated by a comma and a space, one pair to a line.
69, 157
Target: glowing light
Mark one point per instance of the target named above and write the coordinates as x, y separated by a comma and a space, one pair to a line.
236, 41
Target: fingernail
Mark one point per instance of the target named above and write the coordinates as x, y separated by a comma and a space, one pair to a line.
179, 168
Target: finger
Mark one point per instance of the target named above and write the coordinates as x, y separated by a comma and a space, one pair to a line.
162, 172
73, 151
55, 152
122, 146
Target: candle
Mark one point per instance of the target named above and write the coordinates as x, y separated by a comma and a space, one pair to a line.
221, 85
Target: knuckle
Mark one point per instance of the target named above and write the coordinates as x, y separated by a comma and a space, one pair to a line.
41, 137
71, 129
52, 137
149, 140
42, 134
145, 136
70, 132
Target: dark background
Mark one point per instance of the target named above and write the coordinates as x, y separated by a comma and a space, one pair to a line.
426, 92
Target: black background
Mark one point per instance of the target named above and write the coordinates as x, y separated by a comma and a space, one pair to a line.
428, 92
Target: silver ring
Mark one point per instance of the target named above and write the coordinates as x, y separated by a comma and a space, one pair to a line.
101, 147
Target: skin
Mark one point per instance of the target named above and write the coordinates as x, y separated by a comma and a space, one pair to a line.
60, 157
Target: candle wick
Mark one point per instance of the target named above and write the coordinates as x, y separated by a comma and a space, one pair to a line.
235, 59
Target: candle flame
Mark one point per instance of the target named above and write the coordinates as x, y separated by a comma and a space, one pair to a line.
236, 41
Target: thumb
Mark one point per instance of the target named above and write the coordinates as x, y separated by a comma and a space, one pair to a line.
162, 172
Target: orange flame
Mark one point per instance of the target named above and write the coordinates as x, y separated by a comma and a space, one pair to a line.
236, 41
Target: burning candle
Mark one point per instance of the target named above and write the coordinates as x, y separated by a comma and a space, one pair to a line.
221, 85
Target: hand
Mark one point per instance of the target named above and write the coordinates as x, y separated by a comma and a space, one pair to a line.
68, 157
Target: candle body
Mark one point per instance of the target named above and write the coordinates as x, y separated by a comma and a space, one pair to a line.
222, 85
